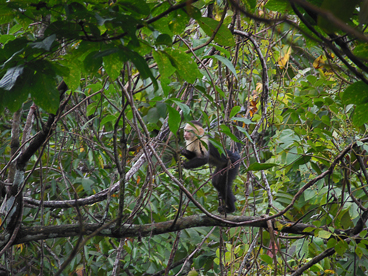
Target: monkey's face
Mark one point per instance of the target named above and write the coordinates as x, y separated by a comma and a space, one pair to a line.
191, 133
188, 134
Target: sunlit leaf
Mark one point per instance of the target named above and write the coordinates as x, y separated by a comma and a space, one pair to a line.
259, 167
284, 58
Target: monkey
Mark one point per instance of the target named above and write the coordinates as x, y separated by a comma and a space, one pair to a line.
199, 154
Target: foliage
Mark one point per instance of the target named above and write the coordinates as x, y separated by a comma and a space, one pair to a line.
92, 97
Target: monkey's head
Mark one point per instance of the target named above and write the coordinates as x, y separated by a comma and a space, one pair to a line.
191, 132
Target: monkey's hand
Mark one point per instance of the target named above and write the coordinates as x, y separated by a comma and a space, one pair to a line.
187, 153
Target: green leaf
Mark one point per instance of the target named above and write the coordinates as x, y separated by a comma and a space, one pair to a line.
217, 145
302, 160
359, 252
63, 29
106, 52
193, 273
185, 65
234, 111
225, 61
361, 50
356, 93
153, 115
342, 9
331, 243
164, 64
225, 129
162, 25
113, 65
281, 6
74, 76
5, 38
219, 90
14, 98
223, 36
309, 229
341, 247
309, 194
183, 107
260, 167
360, 114
267, 259
243, 120
174, 119
44, 92
6, 14
221, 50
179, 22
9, 79
87, 183
92, 62
44, 44
323, 234
163, 39
142, 66
245, 132
107, 119
137, 7
363, 13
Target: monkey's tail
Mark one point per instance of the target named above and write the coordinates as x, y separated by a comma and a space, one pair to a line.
223, 183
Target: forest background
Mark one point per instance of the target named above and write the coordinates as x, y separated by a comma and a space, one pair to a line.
93, 98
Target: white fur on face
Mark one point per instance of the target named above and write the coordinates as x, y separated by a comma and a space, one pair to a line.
192, 142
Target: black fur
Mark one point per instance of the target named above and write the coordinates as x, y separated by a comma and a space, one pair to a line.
221, 181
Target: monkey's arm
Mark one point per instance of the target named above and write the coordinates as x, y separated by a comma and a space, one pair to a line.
188, 154
193, 160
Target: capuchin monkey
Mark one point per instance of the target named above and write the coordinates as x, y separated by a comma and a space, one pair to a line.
199, 154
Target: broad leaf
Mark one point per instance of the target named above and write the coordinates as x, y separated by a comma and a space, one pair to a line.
234, 111
142, 66
356, 93
174, 119
222, 37
44, 44
8, 80
44, 92
185, 65
164, 64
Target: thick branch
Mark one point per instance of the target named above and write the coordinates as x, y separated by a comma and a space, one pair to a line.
27, 234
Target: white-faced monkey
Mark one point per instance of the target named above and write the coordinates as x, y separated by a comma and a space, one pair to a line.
199, 155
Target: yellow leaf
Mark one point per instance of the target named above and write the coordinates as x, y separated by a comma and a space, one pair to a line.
284, 59
319, 62
252, 108
100, 160
79, 270
20, 246
193, 272
258, 87
280, 226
